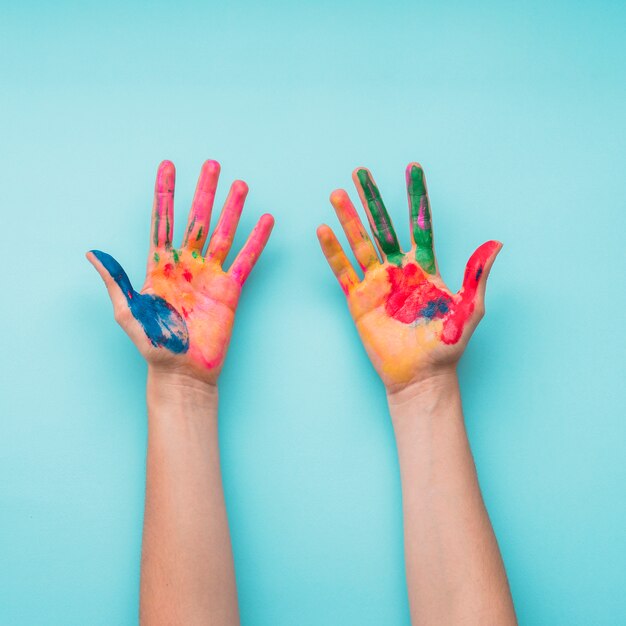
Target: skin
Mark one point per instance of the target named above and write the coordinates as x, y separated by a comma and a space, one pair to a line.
409, 321
182, 317
181, 321
414, 330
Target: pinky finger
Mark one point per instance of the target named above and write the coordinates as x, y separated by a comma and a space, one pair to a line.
337, 259
249, 254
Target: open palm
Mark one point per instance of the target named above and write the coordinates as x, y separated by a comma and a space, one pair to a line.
184, 313
410, 323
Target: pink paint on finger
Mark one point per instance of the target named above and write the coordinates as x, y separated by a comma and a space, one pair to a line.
202, 205
249, 254
163, 207
222, 237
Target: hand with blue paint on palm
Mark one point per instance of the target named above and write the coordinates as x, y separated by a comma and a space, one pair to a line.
182, 317
181, 321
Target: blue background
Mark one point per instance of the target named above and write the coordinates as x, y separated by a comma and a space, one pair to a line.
516, 111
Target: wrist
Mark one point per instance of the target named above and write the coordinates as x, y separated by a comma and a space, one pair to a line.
168, 387
435, 397
437, 383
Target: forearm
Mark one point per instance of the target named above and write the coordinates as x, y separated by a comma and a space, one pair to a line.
187, 572
455, 574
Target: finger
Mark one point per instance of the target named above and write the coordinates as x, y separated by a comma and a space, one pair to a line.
202, 205
379, 219
120, 291
471, 304
477, 271
249, 254
421, 225
142, 316
337, 259
222, 237
358, 238
163, 207
115, 279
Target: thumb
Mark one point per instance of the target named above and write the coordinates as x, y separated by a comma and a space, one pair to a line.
115, 279
477, 271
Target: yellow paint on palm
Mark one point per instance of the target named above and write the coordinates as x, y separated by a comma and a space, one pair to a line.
204, 295
396, 349
408, 320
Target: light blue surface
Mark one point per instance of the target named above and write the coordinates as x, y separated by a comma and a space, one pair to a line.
515, 110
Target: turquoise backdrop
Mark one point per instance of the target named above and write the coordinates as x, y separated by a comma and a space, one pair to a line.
515, 109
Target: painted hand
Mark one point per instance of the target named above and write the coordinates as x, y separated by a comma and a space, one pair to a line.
183, 316
411, 324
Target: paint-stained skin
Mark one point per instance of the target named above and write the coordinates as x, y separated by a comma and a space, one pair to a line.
187, 305
407, 318
161, 322
421, 226
378, 217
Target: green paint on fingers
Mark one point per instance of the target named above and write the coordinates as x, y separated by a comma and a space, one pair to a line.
190, 229
420, 219
155, 236
156, 257
199, 235
426, 260
379, 219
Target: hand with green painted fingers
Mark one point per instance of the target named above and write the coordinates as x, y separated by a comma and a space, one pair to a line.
411, 324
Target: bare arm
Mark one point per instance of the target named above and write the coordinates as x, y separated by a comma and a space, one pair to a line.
454, 571
187, 573
181, 321
414, 330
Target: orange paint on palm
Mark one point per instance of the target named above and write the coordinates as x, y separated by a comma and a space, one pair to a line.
204, 294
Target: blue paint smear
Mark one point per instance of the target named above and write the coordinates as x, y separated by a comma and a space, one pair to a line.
161, 322
435, 308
